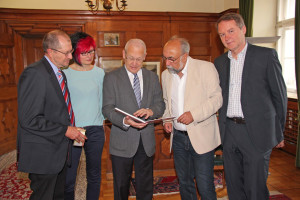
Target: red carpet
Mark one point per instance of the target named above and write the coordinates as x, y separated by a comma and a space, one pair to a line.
15, 185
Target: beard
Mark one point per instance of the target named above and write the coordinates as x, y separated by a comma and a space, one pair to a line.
176, 71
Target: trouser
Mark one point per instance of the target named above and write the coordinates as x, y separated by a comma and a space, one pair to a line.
93, 147
246, 168
122, 169
189, 165
48, 186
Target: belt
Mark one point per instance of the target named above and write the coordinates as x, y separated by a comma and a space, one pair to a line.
237, 120
182, 132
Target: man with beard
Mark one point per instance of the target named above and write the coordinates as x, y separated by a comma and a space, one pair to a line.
192, 94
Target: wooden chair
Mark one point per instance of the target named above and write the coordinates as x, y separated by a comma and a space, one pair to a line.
219, 163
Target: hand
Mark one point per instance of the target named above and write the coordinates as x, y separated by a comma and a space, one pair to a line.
74, 134
280, 145
133, 123
144, 112
168, 127
186, 118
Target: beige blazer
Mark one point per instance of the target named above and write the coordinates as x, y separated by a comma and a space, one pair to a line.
203, 98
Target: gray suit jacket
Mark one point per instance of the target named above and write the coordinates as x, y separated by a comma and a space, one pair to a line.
118, 92
263, 96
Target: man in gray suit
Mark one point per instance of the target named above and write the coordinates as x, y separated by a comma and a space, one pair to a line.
137, 91
253, 114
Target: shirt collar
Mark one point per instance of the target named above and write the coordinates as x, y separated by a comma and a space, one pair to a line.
242, 53
139, 73
55, 69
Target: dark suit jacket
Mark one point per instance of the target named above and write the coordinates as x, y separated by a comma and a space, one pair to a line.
263, 96
118, 92
43, 120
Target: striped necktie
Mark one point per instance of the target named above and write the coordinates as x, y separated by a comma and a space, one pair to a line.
65, 92
137, 89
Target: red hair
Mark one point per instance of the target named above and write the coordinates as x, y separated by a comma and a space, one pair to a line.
83, 45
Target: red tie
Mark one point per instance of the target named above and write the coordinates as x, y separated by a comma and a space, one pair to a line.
65, 92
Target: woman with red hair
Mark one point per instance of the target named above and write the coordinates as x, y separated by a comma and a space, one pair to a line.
85, 85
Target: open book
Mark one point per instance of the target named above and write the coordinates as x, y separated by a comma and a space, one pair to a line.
143, 121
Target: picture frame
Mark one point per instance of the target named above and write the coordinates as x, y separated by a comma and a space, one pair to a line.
110, 65
153, 66
111, 39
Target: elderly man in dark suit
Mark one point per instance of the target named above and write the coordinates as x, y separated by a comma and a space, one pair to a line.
137, 91
46, 120
253, 114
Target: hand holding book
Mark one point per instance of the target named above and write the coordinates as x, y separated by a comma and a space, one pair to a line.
143, 121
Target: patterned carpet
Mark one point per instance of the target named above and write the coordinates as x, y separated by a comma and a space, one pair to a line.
15, 185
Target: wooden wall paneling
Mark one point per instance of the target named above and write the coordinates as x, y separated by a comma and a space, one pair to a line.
217, 46
27, 27
32, 50
8, 94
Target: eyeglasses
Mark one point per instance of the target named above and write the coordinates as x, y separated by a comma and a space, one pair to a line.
88, 53
65, 53
171, 59
132, 59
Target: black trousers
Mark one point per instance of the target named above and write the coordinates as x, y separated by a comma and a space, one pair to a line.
122, 170
246, 168
48, 186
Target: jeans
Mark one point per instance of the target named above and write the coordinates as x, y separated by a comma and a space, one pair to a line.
190, 165
93, 147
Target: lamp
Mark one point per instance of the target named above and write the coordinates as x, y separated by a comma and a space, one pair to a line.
107, 5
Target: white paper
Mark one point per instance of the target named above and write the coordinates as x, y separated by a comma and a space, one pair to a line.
143, 121
79, 144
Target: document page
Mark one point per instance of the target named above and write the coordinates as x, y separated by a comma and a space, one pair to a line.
143, 121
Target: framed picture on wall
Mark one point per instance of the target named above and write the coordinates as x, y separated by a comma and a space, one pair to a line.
111, 39
110, 65
153, 66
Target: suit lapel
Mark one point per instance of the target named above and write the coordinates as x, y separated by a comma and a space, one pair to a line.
54, 80
146, 83
189, 82
249, 58
127, 84
169, 83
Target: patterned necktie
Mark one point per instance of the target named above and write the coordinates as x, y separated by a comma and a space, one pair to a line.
65, 92
137, 89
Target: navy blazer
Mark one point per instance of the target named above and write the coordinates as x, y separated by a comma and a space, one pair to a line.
43, 120
263, 96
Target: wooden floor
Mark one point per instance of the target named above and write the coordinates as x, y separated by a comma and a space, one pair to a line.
284, 177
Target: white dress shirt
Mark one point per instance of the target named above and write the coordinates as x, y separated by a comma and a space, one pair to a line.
177, 97
235, 84
131, 78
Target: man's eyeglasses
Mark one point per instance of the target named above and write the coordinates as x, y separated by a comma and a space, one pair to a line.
65, 53
132, 59
171, 59
88, 53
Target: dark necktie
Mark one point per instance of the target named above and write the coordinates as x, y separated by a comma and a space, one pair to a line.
137, 89
65, 92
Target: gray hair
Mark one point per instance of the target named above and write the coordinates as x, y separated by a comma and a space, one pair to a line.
185, 46
51, 41
136, 42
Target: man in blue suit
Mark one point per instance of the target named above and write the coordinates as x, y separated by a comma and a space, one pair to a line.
253, 114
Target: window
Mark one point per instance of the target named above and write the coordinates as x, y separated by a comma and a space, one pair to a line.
286, 45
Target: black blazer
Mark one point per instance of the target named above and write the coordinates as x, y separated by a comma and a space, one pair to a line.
43, 120
263, 96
